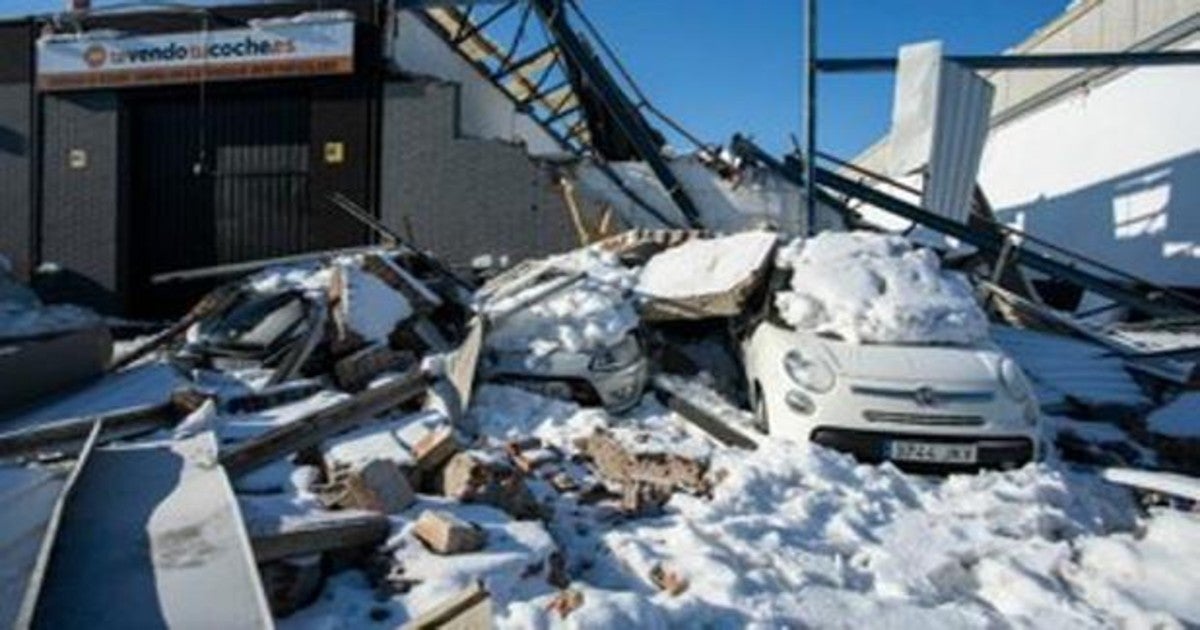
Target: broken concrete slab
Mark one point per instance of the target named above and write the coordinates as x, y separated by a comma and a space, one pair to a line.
705, 278
156, 523
36, 490
446, 534
646, 477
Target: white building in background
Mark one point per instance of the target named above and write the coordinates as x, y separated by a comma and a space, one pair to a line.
1104, 162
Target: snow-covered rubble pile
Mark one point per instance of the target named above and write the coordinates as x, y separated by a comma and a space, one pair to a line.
705, 266
874, 288
800, 536
591, 312
368, 305
797, 535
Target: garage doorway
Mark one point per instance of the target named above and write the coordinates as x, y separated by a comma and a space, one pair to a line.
222, 181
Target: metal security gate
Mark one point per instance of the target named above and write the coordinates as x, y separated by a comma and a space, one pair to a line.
221, 181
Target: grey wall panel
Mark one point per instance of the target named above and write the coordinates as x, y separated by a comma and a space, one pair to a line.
81, 201
463, 197
15, 154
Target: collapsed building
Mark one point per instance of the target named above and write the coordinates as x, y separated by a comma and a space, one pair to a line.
141, 143
362, 435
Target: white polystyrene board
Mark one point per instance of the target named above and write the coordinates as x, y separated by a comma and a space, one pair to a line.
914, 105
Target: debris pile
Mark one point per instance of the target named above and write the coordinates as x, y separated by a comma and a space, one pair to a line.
401, 450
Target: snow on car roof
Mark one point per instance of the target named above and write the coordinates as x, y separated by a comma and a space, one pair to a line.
874, 288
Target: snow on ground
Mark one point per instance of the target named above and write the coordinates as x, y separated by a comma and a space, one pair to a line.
796, 535
705, 266
1179, 418
1062, 367
1130, 575
590, 312
18, 321
145, 384
876, 288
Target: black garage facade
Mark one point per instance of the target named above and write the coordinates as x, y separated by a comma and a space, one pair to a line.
119, 180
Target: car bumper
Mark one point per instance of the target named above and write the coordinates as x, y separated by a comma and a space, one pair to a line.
872, 447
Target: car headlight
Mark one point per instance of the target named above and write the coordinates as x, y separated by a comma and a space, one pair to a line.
808, 372
1013, 380
618, 356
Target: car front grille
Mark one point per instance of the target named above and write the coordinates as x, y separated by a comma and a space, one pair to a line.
923, 418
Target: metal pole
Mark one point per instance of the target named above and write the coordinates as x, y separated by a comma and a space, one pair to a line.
810, 114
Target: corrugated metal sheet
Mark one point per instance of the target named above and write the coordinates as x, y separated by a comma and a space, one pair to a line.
960, 130
939, 122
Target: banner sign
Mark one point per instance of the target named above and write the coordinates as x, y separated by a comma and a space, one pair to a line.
271, 49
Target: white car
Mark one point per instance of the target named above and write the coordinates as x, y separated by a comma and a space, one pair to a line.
613, 377
940, 407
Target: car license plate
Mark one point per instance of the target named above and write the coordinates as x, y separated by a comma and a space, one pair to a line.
933, 452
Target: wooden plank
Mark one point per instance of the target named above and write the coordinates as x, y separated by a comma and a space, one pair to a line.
278, 538
703, 417
311, 429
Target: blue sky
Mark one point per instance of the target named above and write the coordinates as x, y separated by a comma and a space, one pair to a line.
722, 66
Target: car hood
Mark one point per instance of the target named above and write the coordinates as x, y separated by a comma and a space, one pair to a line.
940, 364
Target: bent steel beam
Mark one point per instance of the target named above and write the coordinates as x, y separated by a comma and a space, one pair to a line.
589, 72
1047, 61
993, 243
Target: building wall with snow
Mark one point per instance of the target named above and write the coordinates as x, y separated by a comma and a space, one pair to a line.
1101, 161
485, 111
1112, 172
